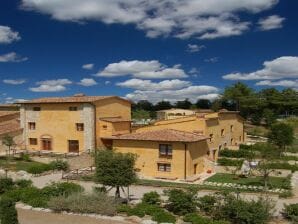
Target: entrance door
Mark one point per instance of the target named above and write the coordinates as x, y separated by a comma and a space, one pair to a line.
46, 144
195, 169
73, 146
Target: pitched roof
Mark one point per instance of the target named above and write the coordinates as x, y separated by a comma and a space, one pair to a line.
6, 113
165, 135
71, 99
12, 126
114, 119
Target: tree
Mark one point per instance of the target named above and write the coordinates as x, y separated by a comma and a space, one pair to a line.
163, 105
184, 104
269, 116
144, 105
282, 135
8, 212
115, 169
140, 114
8, 141
203, 104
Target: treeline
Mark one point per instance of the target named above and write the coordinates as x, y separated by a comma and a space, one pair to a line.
258, 106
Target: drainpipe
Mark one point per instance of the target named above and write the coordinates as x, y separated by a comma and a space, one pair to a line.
185, 150
95, 122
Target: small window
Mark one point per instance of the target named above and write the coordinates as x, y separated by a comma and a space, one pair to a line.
33, 141
240, 138
105, 127
80, 126
232, 128
165, 150
73, 108
32, 125
164, 167
222, 133
211, 138
36, 108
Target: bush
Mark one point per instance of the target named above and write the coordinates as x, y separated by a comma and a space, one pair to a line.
291, 212
151, 198
6, 184
32, 196
39, 168
59, 165
23, 183
25, 157
236, 153
283, 166
8, 212
206, 203
163, 216
61, 189
84, 203
197, 219
229, 162
181, 202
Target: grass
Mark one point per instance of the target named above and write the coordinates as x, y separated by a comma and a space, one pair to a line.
16, 164
274, 182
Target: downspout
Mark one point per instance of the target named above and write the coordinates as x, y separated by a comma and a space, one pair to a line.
185, 154
95, 133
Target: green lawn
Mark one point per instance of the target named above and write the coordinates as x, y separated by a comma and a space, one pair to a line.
16, 164
274, 182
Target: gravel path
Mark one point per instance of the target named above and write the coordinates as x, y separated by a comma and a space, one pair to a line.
36, 217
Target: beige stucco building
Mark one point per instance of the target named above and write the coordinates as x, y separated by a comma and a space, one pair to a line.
73, 124
173, 113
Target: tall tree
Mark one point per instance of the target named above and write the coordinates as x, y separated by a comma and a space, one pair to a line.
282, 135
203, 104
115, 169
163, 105
8, 141
144, 105
184, 104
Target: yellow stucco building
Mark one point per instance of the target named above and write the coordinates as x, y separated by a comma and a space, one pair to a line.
173, 113
73, 124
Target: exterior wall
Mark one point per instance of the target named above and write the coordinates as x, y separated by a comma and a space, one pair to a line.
88, 114
112, 107
17, 137
58, 123
148, 157
173, 114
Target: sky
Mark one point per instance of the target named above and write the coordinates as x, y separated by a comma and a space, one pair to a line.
145, 49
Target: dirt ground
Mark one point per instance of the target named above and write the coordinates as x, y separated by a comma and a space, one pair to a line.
34, 217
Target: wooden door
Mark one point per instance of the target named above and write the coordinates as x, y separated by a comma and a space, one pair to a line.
73, 146
46, 144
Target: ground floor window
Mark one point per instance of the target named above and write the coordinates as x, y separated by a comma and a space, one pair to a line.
73, 146
164, 167
33, 141
165, 150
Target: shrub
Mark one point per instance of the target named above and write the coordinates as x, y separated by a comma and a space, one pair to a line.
151, 198
197, 219
206, 203
181, 202
25, 157
283, 166
163, 216
84, 203
61, 189
236, 153
23, 183
59, 165
291, 212
286, 194
39, 168
229, 162
8, 212
33, 196
6, 184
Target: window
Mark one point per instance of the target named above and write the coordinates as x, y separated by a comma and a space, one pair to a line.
164, 167
32, 125
105, 127
232, 128
80, 126
73, 146
222, 132
240, 138
211, 138
33, 141
165, 150
36, 108
73, 108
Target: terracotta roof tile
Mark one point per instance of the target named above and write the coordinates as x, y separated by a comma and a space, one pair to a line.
71, 99
114, 119
5, 113
12, 126
166, 135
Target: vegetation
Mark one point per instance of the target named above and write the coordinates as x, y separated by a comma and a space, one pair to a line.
195, 218
8, 212
115, 169
151, 198
281, 135
291, 212
8, 141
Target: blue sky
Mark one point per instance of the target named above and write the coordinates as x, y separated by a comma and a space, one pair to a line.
145, 49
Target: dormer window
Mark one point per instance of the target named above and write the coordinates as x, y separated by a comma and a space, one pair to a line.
36, 108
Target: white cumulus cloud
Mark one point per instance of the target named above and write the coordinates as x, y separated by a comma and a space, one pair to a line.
271, 22
192, 48
14, 81
279, 68
149, 85
87, 82
142, 69
204, 19
12, 57
7, 35
283, 83
88, 66
54, 85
